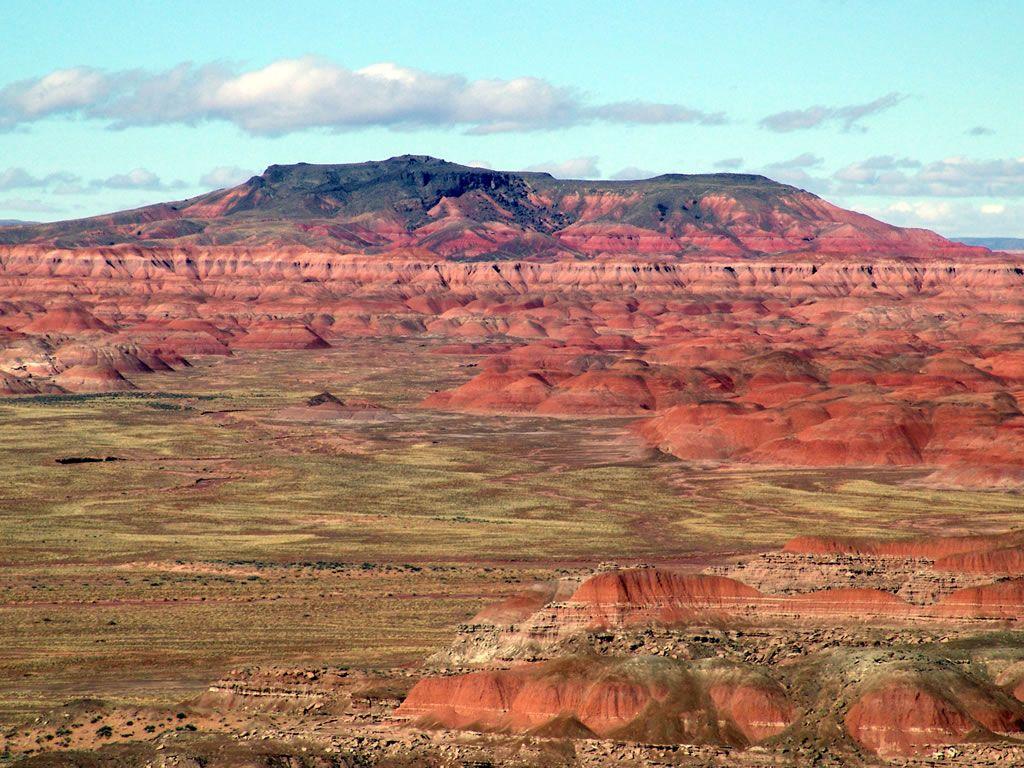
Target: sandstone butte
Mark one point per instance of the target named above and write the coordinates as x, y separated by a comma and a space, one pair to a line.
663, 596
734, 318
888, 701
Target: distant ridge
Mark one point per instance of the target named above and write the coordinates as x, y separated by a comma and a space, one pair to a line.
425, 206
995, 243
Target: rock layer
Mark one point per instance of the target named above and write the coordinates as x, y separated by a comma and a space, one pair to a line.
737, 319
454, 211
648, 699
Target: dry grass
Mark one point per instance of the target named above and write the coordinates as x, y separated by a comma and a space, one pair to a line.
93, 602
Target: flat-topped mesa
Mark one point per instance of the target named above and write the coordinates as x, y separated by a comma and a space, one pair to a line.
638, 587
947, 551
846, 586
423, 205
738, 319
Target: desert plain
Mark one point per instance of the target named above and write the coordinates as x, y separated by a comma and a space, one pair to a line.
408, 463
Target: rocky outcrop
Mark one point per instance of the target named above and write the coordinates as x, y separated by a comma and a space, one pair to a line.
904, 714
643, 699
656, 655
896, 349
453, 211
931, 547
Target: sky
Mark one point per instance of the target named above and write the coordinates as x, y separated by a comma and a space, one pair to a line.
909, 111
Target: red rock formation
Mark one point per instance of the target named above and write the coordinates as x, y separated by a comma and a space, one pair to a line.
279, 335
901, 718
84, 378
648, 699
1004, 560
911, 715
853, 344
930, 547
849, 601
640, 587
1002, 599
646, 596
479, 699
19, 385
428, 205
64, 321
758, 711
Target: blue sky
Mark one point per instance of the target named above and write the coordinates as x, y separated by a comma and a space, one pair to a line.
906, 110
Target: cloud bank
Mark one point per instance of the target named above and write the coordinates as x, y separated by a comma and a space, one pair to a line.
67, 183
955, 217
848, 117
573, 168
225, 176
952, 177
297, 94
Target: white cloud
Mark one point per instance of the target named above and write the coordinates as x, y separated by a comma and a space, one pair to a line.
952, 177
19, 178
574, 168
954, 218
138, 178
71, 188
923, 210
795, 171
806, 160
652, 113
848, 117
892, 176
23, 205
225, 176
935, 195
67, 183
296, 94
730, 163
874, 170
62, 90
14, 178
631, 173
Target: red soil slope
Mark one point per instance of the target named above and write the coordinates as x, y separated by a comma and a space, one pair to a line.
738, 320
916, 715
519, 607
1002, 599
431, 206
1003, 560
650, 699
939, 548
654, 586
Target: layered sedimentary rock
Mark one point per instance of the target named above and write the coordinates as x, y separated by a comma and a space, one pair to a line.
665, 656
639, 699
454, 211
912, 711
738, 319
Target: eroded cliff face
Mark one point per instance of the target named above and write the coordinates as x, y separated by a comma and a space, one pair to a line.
879, 650
803, 362
456, 212
856, 271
